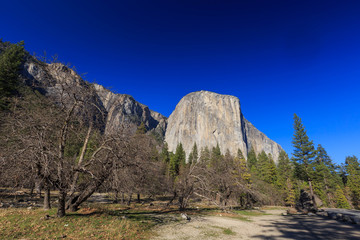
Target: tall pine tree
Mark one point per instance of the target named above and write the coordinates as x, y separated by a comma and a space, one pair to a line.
303, 155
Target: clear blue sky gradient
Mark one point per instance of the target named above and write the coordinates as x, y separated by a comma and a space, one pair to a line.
278, 57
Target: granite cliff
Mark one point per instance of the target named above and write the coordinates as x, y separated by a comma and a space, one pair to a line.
208, 118
114, 109
203, 117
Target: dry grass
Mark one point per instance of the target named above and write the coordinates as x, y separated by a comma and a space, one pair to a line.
89, 223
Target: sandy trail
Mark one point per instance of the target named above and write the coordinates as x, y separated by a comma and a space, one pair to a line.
274, 226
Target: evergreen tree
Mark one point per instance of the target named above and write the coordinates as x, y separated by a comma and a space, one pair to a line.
352, 166
241, 170
10, 62
284, 180
205, 155
193, 156
261, 166
290, 193
165, 153
216, 153
195, 153
240, 155
322, 157
341, 201
178, 160
304, 153
217, 159
252, 160
325, 178
266, 168
272, 171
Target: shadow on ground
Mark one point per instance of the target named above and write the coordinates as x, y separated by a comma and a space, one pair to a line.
305, 227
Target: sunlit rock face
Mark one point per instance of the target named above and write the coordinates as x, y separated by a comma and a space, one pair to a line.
111, 109
123, 108
208, 119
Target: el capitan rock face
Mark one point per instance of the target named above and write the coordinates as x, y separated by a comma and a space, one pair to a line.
208, 119
203, 117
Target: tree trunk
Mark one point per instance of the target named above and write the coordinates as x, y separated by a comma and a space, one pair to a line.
76, 174
61, 207
138, 198
312, 193
84, 195
122, 197
116, 197
32, 189
38, 186
47, 205
129, 201
172, 199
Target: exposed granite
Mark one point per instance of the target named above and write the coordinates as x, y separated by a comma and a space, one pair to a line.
208, 119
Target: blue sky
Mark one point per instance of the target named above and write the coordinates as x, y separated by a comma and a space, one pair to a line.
277, 57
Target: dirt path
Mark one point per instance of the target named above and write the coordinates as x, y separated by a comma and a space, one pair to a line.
272, 226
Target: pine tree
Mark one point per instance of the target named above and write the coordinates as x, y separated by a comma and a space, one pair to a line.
240, 155
216, 158
325, 178
341, 201
252, 160
352, 166
205, 155
304, 153
193, 156
165, 153
215, 153
290, 193
178, 160
10, 62
266, 168
272, 171
241, 170
261, 166
284, 180
195, 153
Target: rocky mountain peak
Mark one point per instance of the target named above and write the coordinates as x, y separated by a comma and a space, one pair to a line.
207, 119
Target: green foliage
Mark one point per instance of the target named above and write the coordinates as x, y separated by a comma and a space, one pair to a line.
10, 61
304, 151
216, 154
266, 168
341, 201
325, 177
241, 170
284, 178
284, 169
252, 160
240, 154
177, 160
165, 156
289, 193
193, 156
205, 155
352, 166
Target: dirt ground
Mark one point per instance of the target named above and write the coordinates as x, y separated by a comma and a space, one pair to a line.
274, 226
